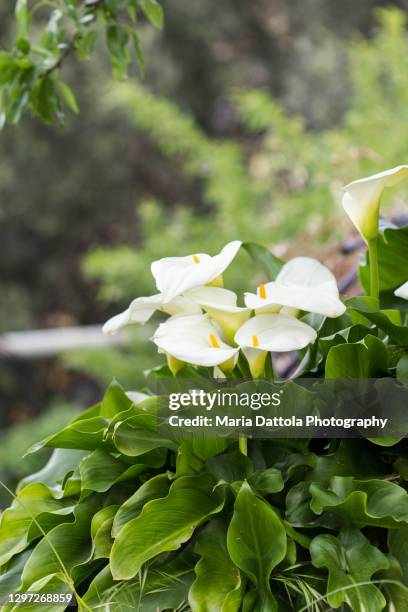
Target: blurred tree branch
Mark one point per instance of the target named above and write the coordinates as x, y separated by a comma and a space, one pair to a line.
30, 72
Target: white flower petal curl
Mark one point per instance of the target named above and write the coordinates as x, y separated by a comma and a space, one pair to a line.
142, 308
221, 305
402, 291
275, 333
193, 339
303, 283
176, 275
361, 199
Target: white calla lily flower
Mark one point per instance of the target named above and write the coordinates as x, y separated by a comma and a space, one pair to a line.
304, 284
195, 339
176, 275
142, 308
221, 305
361, 199
272, 333
402, 291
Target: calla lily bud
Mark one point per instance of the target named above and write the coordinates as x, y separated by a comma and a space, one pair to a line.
361, 199
402, 291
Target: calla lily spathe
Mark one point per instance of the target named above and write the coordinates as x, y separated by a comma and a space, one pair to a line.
221, 305
142, 308
176, 275
304, 284
194, 339
361, 199
402, 291
272, 333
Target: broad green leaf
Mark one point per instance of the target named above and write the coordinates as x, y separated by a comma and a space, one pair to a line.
267, 481
61, 462
154, 12
68, 544
101, 528
218, 586
347, 361
365, 359
351, 561
138, 435
163, 525
86, 434
18, 523
11, 577
389, 321
155, 488
362, 502
100, 470
230, 467
263, 258
256, 539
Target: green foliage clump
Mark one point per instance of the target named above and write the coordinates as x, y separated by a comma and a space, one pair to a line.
30, 72
128, 516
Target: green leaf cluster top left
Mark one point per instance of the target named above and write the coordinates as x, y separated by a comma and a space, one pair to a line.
30, 72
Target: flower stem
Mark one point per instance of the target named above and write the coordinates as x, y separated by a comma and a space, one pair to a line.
243, 444
374, 276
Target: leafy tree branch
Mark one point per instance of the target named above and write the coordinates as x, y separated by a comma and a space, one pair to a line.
30, 79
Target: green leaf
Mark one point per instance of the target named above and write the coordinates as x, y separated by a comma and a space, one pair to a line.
138, 435
267, 481
101, 528
392, 260
71, 542
163, 525
256, 539
61, 462
154, 488
34, 503
218, 586
398, 546
154, 12
100, 470
86, 434
362, 502
365, 359
351, 561
139, 53
263, 258
23, 18
68, 96
387, 320
117, 39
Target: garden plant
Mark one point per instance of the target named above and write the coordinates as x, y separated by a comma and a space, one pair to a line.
124, 518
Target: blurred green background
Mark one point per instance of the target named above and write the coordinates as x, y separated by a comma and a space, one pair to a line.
250, 118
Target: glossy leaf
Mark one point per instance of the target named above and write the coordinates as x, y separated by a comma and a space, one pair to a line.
163, 525
256, 538
351, 561
218, 586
